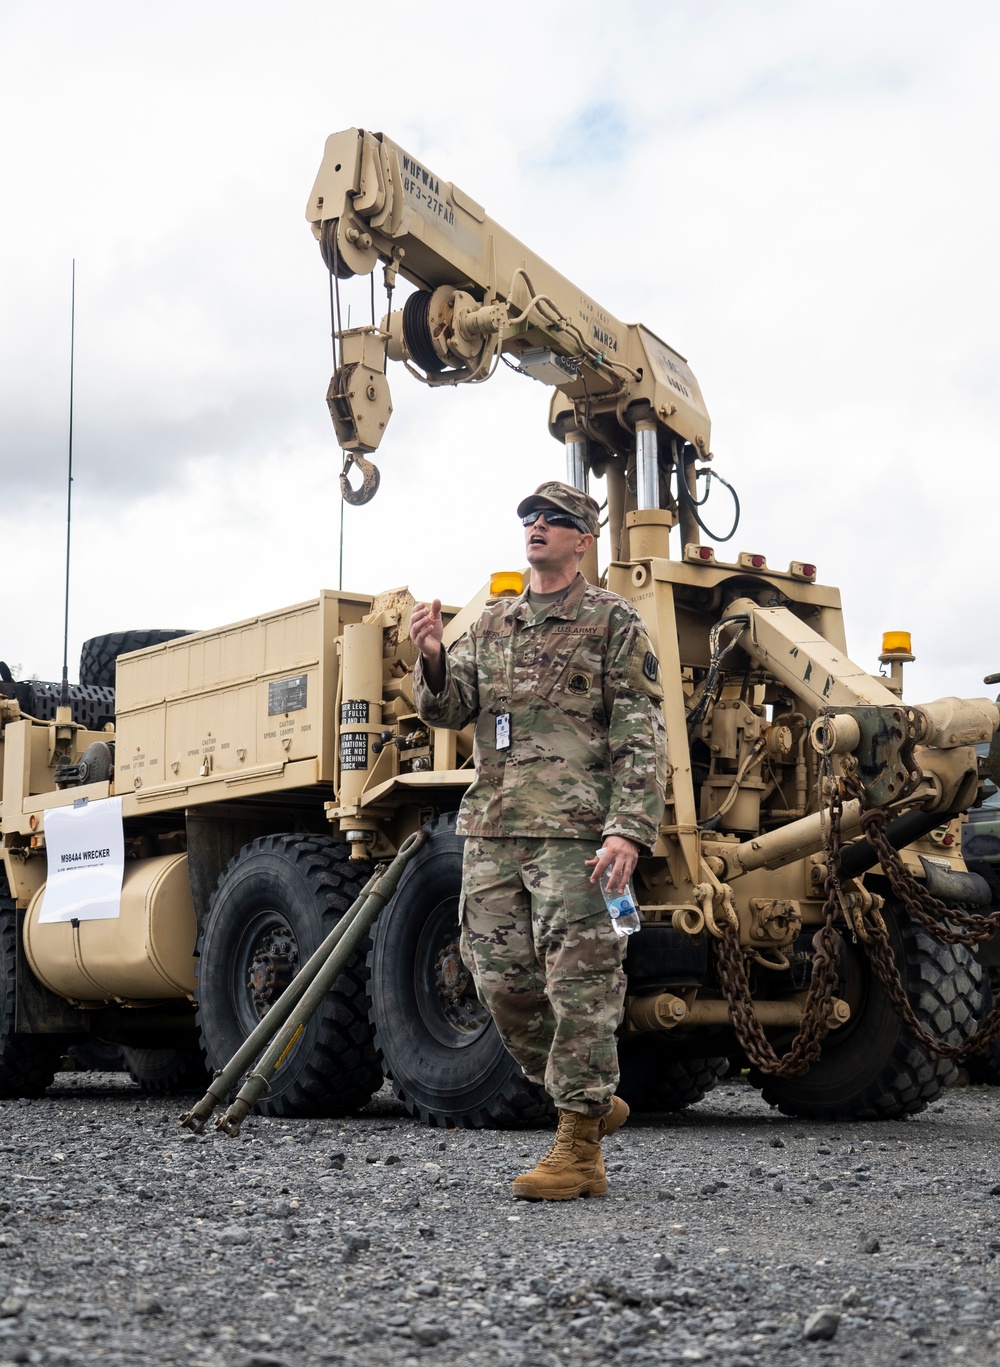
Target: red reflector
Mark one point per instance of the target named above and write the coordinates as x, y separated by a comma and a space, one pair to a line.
809, 571
757, 561
705, 552
949, 839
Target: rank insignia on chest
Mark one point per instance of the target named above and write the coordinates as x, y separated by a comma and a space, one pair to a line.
579, 683
650, 667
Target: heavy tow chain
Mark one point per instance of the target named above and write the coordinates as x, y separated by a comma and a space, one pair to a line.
953, 925
949, 923
817, 1012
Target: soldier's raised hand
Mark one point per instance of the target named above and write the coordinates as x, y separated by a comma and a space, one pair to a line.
426, 630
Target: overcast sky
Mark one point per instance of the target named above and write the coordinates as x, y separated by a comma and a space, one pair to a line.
800, 197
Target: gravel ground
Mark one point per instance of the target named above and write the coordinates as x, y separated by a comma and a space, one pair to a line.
727, 1231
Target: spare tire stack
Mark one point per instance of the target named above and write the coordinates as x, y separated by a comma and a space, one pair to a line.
99, 655
92, 700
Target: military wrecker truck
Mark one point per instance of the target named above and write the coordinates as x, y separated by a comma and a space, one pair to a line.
168, 872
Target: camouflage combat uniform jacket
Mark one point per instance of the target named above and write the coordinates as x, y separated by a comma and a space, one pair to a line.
582, 687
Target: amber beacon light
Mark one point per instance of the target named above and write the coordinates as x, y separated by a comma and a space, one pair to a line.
896, 643
506, 582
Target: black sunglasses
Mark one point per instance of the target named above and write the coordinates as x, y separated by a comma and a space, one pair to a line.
554, 517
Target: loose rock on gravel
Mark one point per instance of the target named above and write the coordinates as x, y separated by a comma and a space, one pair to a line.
731, 1235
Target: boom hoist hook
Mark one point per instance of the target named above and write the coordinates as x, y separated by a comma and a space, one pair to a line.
358, 395
360, 406
370, 479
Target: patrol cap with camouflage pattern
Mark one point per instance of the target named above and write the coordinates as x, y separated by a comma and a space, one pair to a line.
552, 494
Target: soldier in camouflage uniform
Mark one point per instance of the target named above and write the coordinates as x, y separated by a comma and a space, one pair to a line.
564, 688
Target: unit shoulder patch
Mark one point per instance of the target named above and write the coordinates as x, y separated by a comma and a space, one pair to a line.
644, 670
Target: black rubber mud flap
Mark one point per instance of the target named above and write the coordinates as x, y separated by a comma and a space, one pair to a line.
274, 905
437, 1043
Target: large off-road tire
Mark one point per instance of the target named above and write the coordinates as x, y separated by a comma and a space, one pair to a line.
985, 1067
438, 1046
274, 905
98, 655
653, 1081
28, 1063
873, 1068
167, 1072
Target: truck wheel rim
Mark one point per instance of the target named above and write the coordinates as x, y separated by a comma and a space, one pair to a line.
266, 962
446, 995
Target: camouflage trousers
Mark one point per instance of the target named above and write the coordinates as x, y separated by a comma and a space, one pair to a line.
547, 963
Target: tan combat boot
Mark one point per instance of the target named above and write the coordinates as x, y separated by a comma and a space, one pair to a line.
572, 1167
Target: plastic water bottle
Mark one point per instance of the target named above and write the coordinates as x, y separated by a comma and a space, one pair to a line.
621, 907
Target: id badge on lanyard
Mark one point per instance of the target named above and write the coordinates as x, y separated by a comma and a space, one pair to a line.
503, 717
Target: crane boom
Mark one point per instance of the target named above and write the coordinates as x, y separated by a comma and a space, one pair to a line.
481, 292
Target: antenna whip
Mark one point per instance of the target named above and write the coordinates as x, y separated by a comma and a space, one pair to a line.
64, 690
